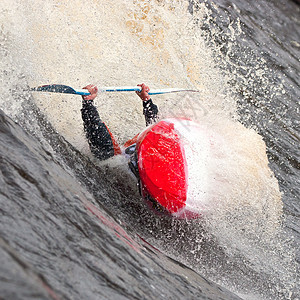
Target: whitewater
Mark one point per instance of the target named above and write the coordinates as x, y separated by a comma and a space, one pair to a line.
75, 228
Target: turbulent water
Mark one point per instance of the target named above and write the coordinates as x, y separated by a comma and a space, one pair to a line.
72, 228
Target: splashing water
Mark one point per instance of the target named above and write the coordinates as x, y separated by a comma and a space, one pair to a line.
162, 44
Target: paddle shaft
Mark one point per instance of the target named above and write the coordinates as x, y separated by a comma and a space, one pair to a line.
110, 89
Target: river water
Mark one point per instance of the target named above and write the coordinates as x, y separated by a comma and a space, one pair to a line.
74, 228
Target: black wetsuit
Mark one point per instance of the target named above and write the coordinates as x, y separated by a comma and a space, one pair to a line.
98, 135
102, 145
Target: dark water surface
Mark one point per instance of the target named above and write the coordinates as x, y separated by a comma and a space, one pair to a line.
55, 243
73, 230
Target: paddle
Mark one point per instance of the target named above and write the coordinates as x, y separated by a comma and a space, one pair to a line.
59, 88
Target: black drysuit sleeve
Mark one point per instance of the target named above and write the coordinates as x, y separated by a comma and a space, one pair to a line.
150, 111
97, 134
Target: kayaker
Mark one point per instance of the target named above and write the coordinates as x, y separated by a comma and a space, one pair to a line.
160, 156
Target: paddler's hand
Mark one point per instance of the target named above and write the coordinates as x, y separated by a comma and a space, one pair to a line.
143, 94
93, 90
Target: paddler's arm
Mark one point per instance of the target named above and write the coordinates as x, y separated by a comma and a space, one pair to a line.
97, 134
150, 110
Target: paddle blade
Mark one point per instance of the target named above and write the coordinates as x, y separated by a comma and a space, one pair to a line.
169, 90
60, 88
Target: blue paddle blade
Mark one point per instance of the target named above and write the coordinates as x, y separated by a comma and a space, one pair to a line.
59, 88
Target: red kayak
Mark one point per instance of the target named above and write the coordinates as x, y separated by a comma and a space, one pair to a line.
173, 157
